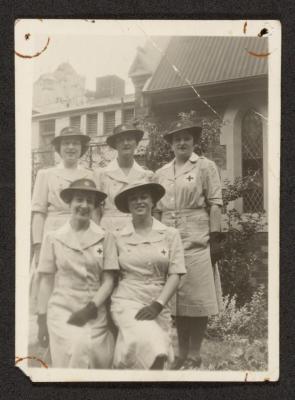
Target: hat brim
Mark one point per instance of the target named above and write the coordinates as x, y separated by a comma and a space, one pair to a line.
121, 200
111, 140
68, 193
84, 139
195, 131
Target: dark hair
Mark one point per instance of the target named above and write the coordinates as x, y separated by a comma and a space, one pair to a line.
70, 196
144, 191
84, 146
121, 136
196, 137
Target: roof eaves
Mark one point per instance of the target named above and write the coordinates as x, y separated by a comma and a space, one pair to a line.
203, 84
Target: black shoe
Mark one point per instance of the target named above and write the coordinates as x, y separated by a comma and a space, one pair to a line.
192, 363
177, 363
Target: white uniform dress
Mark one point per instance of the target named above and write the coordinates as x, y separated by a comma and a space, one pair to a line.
145, 263
46, 200
78, 272
189, 192
111, 180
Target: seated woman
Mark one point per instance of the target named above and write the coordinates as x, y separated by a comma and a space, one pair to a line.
151, 260
76, 277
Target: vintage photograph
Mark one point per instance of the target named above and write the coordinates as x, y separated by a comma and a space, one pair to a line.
147, 200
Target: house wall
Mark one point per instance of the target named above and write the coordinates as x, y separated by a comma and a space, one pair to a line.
63, 119
231, 137
228, 154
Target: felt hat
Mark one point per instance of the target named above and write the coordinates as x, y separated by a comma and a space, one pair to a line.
82, 185
122, 129
156, 190
71, 132
194, 128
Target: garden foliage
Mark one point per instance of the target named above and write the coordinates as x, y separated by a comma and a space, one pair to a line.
242, 252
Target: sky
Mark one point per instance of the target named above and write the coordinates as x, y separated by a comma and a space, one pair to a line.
90, 55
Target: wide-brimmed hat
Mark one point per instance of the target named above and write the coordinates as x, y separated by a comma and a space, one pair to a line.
71, 132
156, 190
83, 185
194, 128
122, 129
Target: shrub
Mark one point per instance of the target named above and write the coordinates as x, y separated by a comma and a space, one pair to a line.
249, 320
158, 151
242, 254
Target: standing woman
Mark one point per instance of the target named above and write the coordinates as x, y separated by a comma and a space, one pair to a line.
49, 211
119, 173
151, 261
192, 204
76, 268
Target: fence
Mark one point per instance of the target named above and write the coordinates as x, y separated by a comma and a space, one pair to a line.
98, 155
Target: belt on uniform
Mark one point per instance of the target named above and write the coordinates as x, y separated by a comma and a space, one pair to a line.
143, 279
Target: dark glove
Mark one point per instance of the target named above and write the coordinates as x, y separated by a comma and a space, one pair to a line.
149, 312
43, 335
216, 247
79, 318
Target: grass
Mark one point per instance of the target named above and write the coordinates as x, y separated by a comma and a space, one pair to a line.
234, 354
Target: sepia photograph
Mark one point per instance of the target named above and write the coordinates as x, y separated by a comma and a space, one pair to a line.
147, 200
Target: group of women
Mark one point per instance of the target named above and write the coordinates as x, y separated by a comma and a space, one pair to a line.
124, 244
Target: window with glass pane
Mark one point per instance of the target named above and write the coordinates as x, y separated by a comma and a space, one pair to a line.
75, 121
47, 132
91, 124
108, 122
252, 161
128, 115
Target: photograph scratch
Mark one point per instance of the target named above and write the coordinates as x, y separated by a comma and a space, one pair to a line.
259, 55
245, 27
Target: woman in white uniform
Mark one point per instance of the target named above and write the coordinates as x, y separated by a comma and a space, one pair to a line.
119, 173
49, 211
151, 261
76, 268
192, 204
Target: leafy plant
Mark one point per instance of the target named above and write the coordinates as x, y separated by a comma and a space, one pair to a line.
158, 151
249, 320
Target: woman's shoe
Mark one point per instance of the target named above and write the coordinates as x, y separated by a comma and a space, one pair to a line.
177, 363
192, 363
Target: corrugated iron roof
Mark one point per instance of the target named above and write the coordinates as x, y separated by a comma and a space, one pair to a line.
204, 60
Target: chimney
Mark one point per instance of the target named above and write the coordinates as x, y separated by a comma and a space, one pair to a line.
109, 86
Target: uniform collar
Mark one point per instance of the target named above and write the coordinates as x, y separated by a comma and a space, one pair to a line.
115, 172
188, 166
154, 236
114, 166
60, 171
67, 236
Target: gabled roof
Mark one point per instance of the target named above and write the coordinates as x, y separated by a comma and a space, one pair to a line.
148, 57
204, 60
